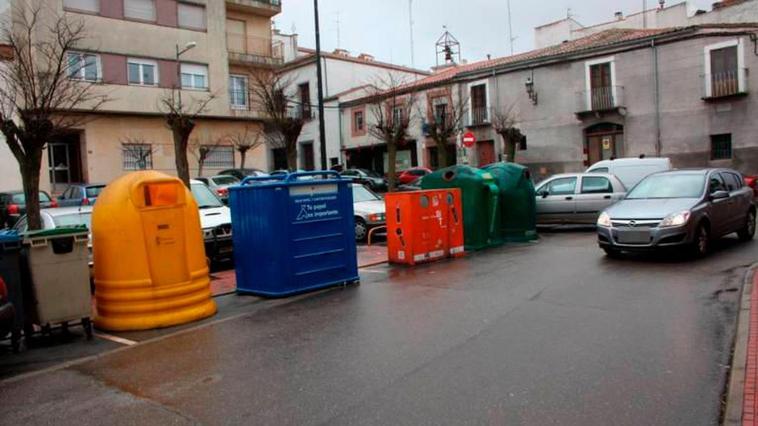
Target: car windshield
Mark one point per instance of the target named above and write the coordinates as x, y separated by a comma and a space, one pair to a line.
74, 219
361, 194
20, 198
94, 191
204, 197
225, 180
669, 186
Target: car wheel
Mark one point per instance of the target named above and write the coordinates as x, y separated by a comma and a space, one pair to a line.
748, 232
702, 242
361, 230
612, 253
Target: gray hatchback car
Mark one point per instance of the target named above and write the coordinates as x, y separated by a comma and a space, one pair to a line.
685, 208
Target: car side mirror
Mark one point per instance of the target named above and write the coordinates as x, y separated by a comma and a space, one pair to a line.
719, 195
543, 193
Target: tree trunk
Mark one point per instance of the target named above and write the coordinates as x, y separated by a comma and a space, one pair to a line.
510, 149
391, 166
292, 157
243, 154
200, 165
442, 160
181, 141
30, 173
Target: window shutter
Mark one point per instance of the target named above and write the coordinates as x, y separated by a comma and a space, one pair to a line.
191, 16
88, 5
140, 9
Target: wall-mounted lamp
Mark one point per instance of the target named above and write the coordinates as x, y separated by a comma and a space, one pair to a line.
530, 89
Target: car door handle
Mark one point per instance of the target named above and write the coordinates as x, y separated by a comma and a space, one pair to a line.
569, 198
607, 197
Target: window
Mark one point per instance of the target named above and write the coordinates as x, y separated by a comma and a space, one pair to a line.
143, 72
305, 100
521, 146
84, 5
562, 186
596, 185
137, 157
191, 16
238, 91
724, 68
733, 182
440, 113
721, 147
236, 39
397, 115
84, 66
220, 157
716, 183
143, 10
194, 76
479, 104
358, 121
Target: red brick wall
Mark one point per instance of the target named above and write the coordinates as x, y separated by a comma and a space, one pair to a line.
112, 8
114, 68
167, 72
167, 12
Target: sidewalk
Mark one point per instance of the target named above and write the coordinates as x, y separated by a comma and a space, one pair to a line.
224, 282
750, 403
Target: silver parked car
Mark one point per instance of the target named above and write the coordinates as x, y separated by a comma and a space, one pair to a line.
576, 198
686, 208
219, 184
369, 211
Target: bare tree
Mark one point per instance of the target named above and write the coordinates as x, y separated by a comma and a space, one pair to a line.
504, 121
246, 140
202, 148
139, 150
392, 113
181, 117
274, 95
42, 94
444, 122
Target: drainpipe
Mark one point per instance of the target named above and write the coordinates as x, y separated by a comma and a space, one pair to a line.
341, 155
657, 90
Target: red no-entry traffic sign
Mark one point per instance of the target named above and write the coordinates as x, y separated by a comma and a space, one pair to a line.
469, 139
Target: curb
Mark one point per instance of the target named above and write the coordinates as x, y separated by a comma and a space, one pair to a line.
736, 391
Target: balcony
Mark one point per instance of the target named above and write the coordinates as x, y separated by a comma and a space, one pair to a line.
249, 50
725, 85
600, 101
478, 116
267, 8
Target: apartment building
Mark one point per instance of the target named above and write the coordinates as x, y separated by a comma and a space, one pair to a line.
684, 93
344, 75
131, 52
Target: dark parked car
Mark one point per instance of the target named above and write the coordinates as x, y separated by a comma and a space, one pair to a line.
373, 180
685, 208
243, 173
80, 195
13, 206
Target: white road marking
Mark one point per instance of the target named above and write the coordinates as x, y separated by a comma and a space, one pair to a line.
116, 339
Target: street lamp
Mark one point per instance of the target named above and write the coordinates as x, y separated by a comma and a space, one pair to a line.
189, 46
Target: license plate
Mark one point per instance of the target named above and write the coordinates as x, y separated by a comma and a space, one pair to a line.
633, 237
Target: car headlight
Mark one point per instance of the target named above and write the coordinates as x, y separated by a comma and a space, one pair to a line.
208, 234
675, 219
604, 220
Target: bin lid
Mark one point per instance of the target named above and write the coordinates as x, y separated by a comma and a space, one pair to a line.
61, 231
9, 236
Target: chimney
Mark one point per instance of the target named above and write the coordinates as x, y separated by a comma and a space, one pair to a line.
619, 16
341, 52
366, 57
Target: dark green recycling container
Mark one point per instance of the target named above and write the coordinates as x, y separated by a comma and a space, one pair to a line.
480, 202
517, 215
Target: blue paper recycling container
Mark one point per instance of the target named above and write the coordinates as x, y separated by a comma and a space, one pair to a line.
293, 233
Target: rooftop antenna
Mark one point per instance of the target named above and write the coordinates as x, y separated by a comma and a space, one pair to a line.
510, 27
410, 21
339, 40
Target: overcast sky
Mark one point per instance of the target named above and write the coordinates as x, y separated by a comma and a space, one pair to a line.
381, 27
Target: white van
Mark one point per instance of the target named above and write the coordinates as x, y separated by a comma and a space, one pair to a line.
631, 170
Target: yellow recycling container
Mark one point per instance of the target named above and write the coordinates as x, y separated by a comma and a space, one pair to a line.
150, 267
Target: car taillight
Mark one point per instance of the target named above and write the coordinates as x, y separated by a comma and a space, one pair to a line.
85, 202
222, 191
3, 290
53, 203
13, 209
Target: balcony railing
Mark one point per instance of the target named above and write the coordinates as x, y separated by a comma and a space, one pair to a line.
252, 50
730, 83
266, 8
479, 116
600, 99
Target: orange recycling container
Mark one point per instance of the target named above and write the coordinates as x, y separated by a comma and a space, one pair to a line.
423, 226
149, 257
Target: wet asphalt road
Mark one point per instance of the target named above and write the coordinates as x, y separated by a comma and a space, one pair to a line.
547, 333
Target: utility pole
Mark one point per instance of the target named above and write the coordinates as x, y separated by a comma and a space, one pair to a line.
320, 78
410, 21
510, 27
644, 14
